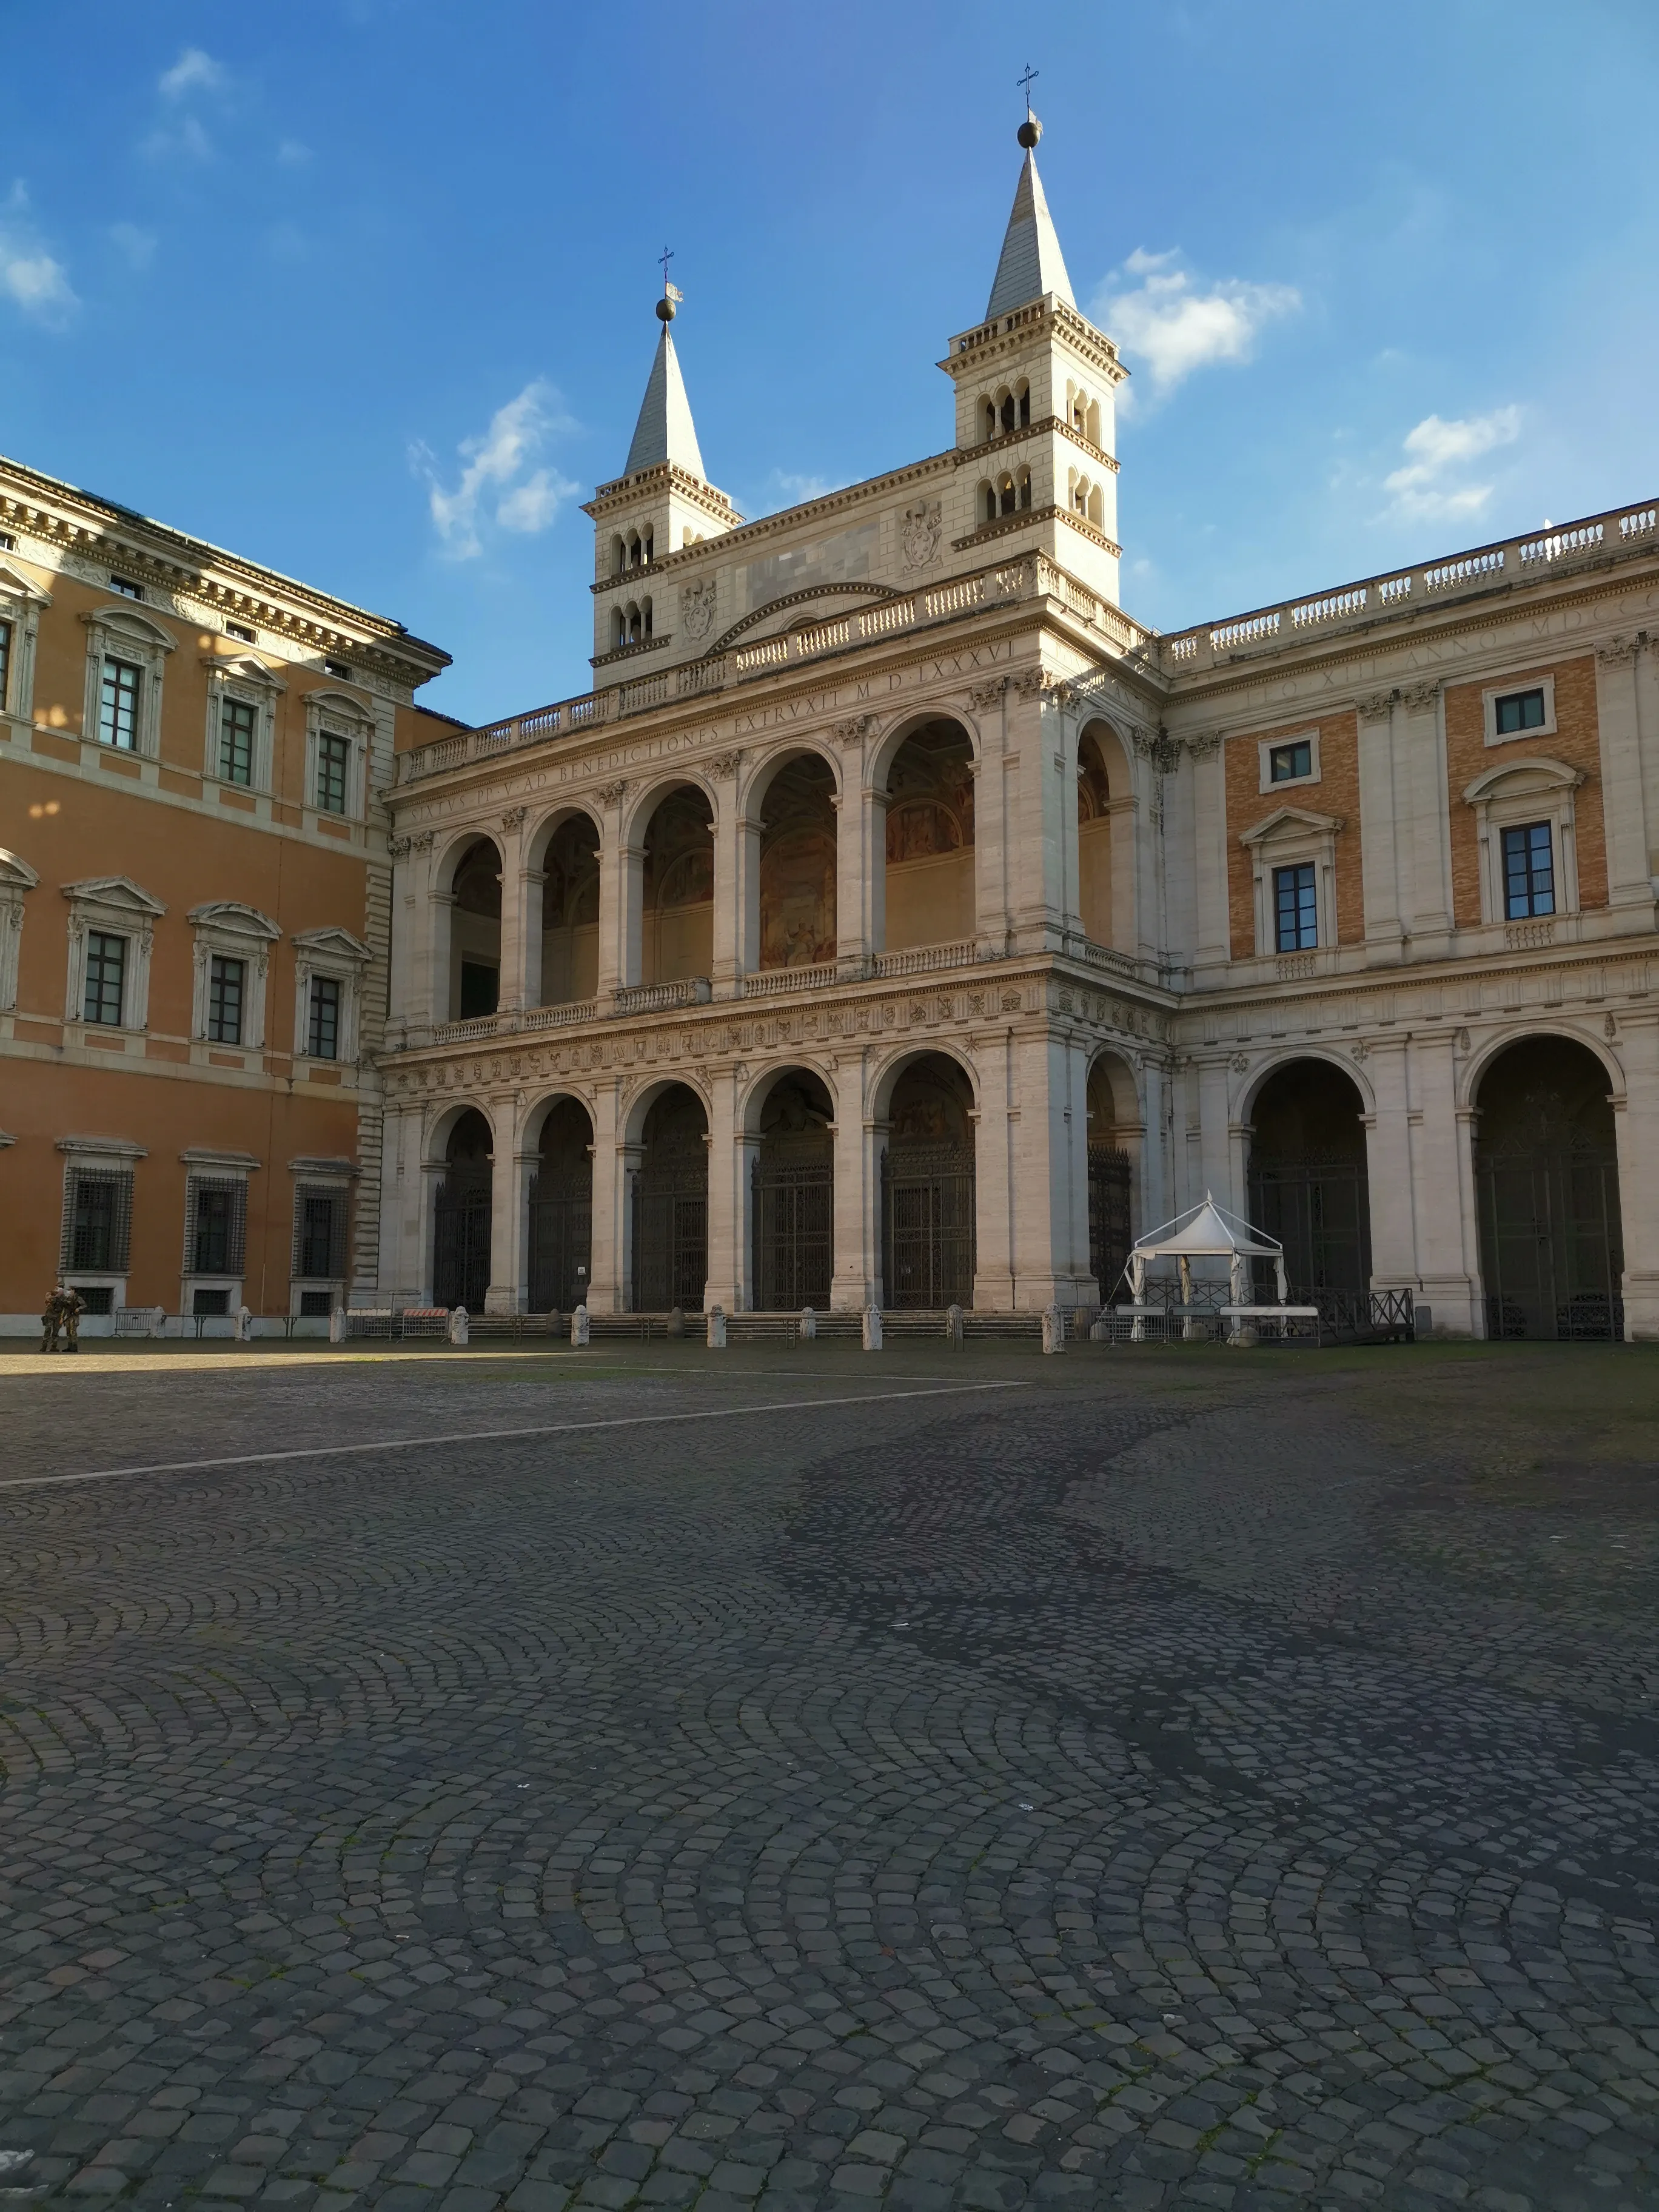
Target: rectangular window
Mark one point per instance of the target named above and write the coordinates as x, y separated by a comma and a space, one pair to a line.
107, 968
210, 1302
5, 664
316, 1304
322, 1023
1521, 710
97, 1221
226, 982
97, 1297
241, 630
117, 713
1289, 763
236, 742
1528, 872
319, 1234
218, 1225
1295, 909
126, 587
333, 763
480, 989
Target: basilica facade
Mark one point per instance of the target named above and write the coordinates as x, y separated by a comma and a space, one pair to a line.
897, 921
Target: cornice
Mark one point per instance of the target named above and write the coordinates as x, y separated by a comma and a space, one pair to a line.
1045, 425
626, 491
1025, 518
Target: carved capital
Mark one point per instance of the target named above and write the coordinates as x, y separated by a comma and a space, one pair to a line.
610, 794
399, 848
1160, 749
1619, 651
1420, 698
516, 817
1205, 745
1057, 694
422, 841
1374, 707
856, 729
1029, 683
725, 766
987, 695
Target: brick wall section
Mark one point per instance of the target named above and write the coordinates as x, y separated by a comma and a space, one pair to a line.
1576, 740
1337, 792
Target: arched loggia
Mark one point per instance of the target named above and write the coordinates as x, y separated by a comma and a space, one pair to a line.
560, 1225
475, 932
1546, 1188
930, 838
1309, 1185
668, 1204
792, 1194
797, 873
929, 1192
461, 1238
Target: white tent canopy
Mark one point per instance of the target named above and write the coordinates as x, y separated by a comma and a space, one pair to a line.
1208, 1231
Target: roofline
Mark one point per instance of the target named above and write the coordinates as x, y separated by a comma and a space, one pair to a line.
382, 627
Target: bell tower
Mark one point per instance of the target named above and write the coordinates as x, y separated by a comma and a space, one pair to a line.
1036, 385
661, 502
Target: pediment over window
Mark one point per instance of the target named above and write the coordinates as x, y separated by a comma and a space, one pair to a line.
333, 945
242, 668
114, 892
340, 706
14, 584
1292, 821
15, 874
1515, 778
229, 915
121, 622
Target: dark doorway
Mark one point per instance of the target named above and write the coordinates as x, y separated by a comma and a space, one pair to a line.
1308, 1186
793, 1193
460, 1267
669, 1192
1113, 1124
1547, 1190
927, 1189
562, 1210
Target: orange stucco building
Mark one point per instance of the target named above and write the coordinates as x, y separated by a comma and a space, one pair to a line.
194, 916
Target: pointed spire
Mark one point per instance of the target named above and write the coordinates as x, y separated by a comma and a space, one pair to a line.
1032, 263
664, 431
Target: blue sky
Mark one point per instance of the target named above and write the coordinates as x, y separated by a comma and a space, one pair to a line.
363, 287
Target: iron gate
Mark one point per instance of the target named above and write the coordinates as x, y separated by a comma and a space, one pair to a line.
670, 1209
927, 1225
1320, 1210
793, 1216
561, 1241
461, 1261
1550, 1247
1109, 1220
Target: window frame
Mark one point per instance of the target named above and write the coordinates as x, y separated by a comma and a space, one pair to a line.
1292, 836
336, 714
1513, 688
1532, 831
1513, 795
21, 605
226, 930
218, 1173
114, 1159
120, 908
120, 633
1266, 747
96, 956
340, 958
1302, 912
242, 680
317, 1176
17, 880
227, 997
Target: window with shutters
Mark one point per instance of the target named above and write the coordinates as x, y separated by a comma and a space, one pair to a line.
217, 1224
97, 1233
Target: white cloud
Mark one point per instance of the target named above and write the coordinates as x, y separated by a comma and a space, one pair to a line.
1433, 485
194, 71
190, 139
136, 246
798, 489
1175, 328
495, 464
292, 154
29, 276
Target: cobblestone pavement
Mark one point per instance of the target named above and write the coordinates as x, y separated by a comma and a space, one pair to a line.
1184, 1779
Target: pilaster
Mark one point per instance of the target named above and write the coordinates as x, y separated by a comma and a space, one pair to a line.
729, 1155
1636, 1126
1624, 805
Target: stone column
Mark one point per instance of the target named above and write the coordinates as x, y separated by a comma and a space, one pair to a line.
998, 1135
860, 853
1379, 830
737, 881
1389, 1168
1212, 945
1636, 1126
991, 795
620, 882
509, 1215
607, 1260
432, 1175
1425, 750
1222, 1151
858, 1139
426, 953
1443, 1184
1037, 820
402, 1190
729, 1155
1624, 807
520, 892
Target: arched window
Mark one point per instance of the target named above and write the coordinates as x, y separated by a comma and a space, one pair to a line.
1023, 396
618, 556
618, 629
632, 623
1006, 495
650, 543
647, 618
988, 501
1009, 417
1080, 493
633, 549
990, 420
1097, 507
1025, 487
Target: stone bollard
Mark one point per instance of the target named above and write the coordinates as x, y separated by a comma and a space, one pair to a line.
717, 1328
1100, 1330
579, 1331
677, 1321
1054, 1330
873, 1328
809, 1325
953, 1328
1422, 1322
337, 1326
243, 1331
458, 1333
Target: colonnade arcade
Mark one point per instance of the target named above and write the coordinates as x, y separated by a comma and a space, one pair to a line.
804, 861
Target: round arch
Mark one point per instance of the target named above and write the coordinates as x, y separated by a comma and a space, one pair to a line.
548, 826
637, 818
441, 1124
1308, 1169
928, 1099
751, 1105
639, 1107
559, 1131
1257, 1078
766, 771
669, 1127
1489, 1048
879, 758
788, 1157
462, 1180
889, 1071
545, 1102
459, 843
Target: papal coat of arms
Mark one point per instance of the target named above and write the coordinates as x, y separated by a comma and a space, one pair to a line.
697, 608
919, 534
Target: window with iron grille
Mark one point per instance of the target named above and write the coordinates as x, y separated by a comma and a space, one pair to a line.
106, 969
117, 713
227, 990
1528, 872
236, 741
97, 1231
323, 1022
1296, 911
333, 766
215, 1225
319, 1233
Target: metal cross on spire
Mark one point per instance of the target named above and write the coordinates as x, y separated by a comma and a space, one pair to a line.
669, 291
1025, 83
